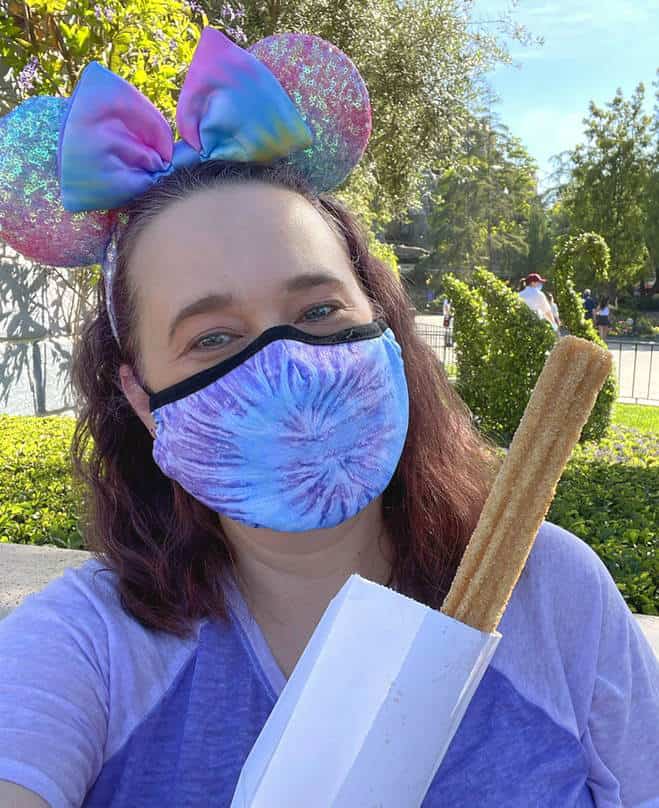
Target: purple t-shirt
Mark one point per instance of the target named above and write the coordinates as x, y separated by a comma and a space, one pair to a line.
96, 710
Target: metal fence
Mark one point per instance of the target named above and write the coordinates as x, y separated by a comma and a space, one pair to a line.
637, 370
636, 365
440, 340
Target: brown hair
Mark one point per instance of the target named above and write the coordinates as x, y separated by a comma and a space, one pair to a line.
168, 549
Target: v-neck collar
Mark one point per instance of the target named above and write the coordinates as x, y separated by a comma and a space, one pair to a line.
257, 645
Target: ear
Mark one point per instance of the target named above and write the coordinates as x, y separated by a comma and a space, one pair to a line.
137, 396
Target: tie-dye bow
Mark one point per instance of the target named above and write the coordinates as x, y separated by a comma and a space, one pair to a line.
115, 144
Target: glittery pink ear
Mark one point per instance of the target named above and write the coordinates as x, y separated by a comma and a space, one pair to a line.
331, 97
32, 219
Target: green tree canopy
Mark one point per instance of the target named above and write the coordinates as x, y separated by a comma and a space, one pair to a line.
608, 181
44, 45
421, 60
651, 198
486, 208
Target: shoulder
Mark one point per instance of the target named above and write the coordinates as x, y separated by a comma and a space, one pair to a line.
552, 628
563, 586
87, 596
77, 626
560, 561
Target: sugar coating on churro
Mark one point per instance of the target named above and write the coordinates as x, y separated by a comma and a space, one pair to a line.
559, 407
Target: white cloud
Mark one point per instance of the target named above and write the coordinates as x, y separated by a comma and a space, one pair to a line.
602, 14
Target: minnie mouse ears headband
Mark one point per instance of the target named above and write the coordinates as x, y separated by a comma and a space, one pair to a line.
67, 166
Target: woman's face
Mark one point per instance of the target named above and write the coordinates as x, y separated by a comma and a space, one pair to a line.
215, 270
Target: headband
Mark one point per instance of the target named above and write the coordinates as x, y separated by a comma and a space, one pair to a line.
69, 166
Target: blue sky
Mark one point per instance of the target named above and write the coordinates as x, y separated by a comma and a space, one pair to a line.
591, 47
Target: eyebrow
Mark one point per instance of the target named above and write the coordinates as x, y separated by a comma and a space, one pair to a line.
215, 302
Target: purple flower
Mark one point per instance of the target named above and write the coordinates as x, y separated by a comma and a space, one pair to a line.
104, 12
227, 12
27, 75
159, 35
195, 7
237, 34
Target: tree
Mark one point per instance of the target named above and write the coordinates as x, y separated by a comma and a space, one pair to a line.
539, 240
44, 44
605, 192
420, 59
486, 208
651, 198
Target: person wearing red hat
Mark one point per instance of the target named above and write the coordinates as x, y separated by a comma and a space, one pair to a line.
536, 300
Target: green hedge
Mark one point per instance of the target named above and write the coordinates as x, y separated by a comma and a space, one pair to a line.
501, 347
38, 501
609, 496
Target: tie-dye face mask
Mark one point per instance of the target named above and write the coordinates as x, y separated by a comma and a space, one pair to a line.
296, 432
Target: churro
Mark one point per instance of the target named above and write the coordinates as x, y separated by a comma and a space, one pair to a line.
559, 407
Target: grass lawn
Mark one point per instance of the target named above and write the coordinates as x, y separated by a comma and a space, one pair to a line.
639, 416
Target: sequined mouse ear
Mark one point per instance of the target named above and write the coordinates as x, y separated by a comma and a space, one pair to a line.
32, 219
331, 97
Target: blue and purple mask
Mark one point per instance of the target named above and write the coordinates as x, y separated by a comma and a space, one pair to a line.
294, 433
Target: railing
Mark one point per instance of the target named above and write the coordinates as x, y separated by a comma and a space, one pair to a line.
637, 370
637, 367
440, 340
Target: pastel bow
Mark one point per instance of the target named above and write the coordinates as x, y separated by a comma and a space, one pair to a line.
114, 144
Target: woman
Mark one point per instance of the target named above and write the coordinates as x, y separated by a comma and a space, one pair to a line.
554, 311
265, 422
602, 317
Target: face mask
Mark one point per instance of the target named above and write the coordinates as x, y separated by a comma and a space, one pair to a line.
540, 285
296, 432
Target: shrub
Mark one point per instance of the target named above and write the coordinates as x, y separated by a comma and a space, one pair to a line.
385, 252
501, 346
609, 496
39, 503
573, 252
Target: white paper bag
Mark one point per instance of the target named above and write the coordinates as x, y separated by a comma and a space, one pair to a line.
371, 707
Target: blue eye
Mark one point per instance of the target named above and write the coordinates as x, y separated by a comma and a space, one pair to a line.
328, 308
213, 340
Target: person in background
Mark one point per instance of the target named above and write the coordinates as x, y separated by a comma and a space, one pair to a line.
448, 316
536, 300
588, 304
602, 317
554, 309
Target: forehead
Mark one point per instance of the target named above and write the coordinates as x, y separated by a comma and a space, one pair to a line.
246, 240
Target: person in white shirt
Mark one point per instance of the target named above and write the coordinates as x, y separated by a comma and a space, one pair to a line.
535, 299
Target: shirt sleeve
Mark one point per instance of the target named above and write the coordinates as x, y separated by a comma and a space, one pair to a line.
622, 736
53, 694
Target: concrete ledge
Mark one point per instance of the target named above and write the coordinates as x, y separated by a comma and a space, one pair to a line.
25, 569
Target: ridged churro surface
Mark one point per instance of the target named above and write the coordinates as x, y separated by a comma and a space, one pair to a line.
521, 495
